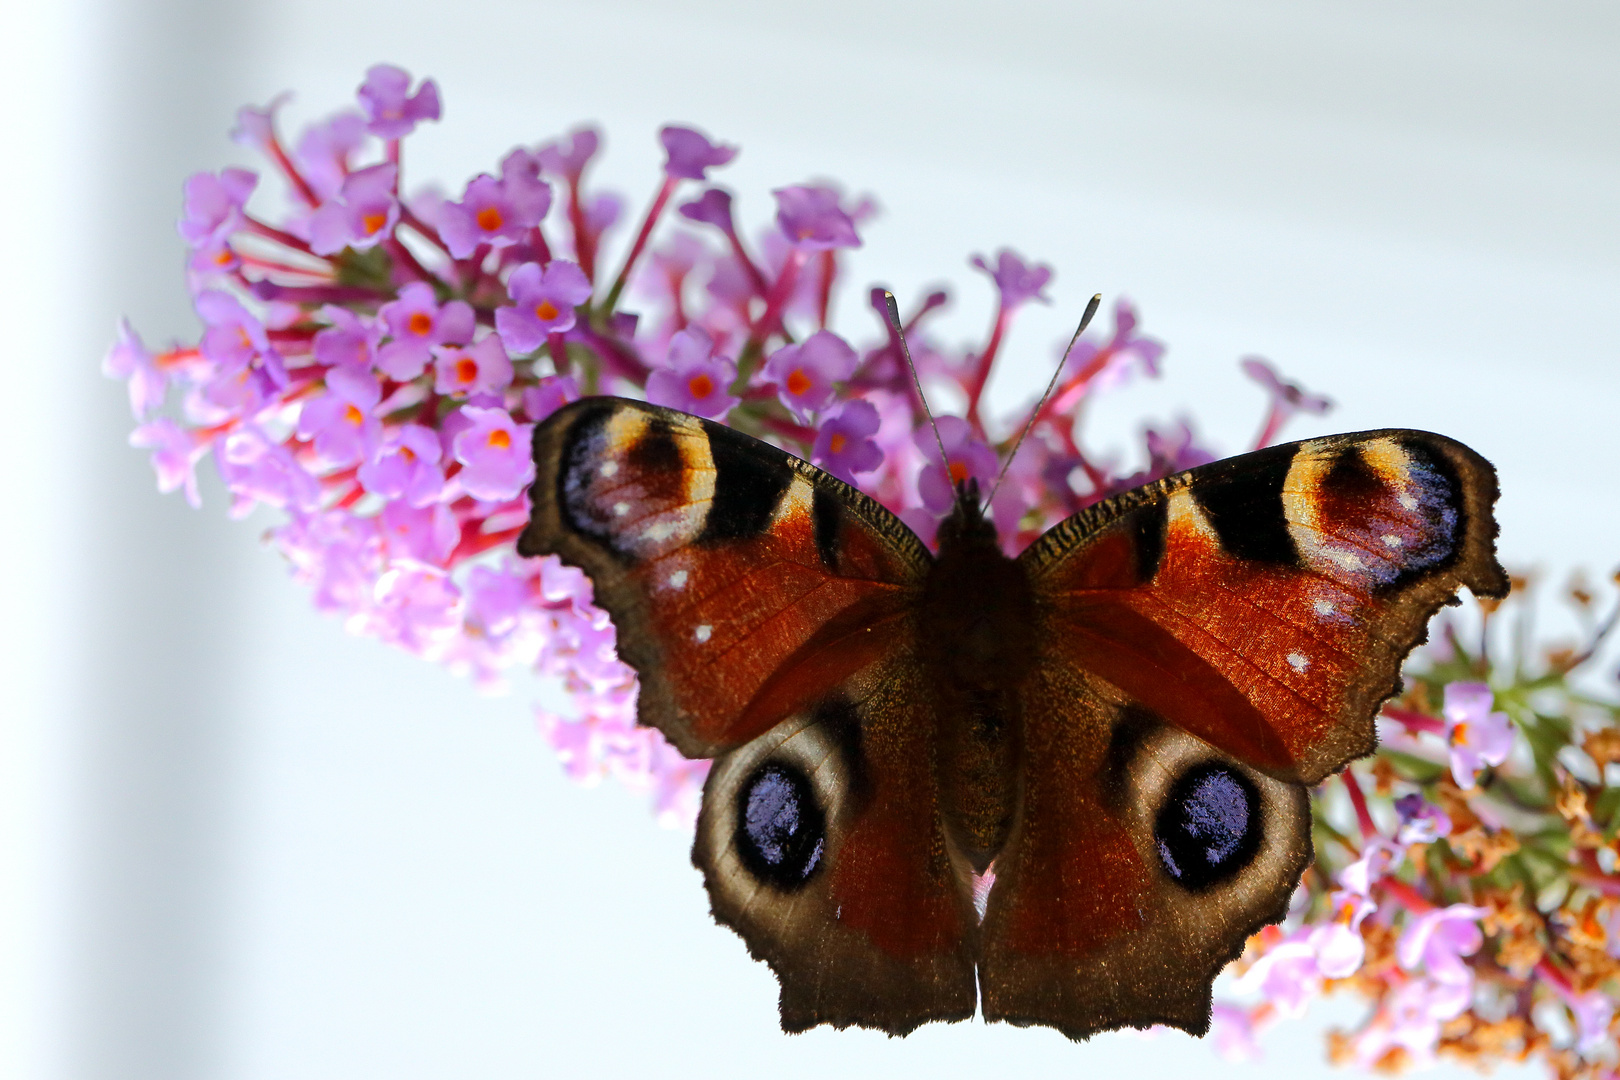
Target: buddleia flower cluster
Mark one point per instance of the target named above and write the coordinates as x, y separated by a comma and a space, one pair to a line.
375, 355
1465, 881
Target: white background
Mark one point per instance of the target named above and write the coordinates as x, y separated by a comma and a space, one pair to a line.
239, 844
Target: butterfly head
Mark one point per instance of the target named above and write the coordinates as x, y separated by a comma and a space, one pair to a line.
966, 525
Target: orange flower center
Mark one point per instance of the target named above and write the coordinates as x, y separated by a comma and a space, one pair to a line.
466, 369
489, 219
1459, 734
700, 386
407, 453
959, 472
223, 258
353, 415
798, 382
420, 323
500, 439
837, 443
546, 310
372, 222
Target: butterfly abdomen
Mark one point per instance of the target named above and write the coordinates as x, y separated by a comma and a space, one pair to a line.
976, 635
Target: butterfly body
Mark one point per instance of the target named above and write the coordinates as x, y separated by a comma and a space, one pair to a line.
975, 632
1120, 723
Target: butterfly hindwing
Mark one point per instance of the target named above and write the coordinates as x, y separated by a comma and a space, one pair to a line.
821, 845
1208, 645
743, 581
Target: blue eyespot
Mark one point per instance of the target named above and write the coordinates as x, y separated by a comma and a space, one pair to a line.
1209, 827
781, 829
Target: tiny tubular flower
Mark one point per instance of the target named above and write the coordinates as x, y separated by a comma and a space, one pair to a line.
495, 452
362, 214
479, 368
1478, 736
694, 378
805, 374
392, 111
543, 302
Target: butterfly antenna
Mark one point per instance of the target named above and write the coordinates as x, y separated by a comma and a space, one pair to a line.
1085, 321
905, 350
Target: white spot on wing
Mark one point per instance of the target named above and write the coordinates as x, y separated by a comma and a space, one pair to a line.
621, 508
1347, 559
703, 633
1391, 540
609, 468
1323, 608
658, 531
1408, 501
677, 580
1298, 662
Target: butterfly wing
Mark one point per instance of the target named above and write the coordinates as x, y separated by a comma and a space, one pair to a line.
769, 612
743, 581
1208, 645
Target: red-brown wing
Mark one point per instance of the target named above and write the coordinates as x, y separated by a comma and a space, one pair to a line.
1265, 603
821, 844
744, 583
1207, 645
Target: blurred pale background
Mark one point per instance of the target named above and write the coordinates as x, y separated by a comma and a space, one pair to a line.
239, 844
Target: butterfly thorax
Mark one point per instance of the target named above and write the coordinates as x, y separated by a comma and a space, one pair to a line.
975, 631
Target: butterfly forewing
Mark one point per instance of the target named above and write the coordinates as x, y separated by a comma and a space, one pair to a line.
743, 582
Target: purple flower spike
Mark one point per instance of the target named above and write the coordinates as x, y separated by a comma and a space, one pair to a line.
1478, 736
416, 323
713, 207
1437, 940
543, 303
213, 206
363, 214
405, 466
1019, 282
480, 368
844, 445
495, 450
129, 359
691, 154
340, 420
693, 379
804, 374
968, 458
811, 218
391, 109
568, 156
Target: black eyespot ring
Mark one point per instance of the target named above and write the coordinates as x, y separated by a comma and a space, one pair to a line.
1209, 827
781, 828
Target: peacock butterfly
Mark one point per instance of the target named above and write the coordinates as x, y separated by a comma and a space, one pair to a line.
1123, 721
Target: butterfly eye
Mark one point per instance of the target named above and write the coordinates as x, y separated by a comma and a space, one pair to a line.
781, 829
1210, 825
